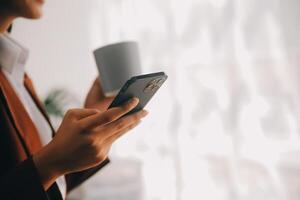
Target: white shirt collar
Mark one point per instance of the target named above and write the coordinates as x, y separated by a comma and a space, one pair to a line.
13, 57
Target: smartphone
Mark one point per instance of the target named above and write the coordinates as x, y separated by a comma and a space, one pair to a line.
142, 87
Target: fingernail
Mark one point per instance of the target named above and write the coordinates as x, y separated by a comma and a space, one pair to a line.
133, 100
145, 113
97, 111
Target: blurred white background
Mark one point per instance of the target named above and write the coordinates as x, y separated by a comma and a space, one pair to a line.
227, 123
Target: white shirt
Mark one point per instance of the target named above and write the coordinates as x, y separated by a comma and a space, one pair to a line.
13, 57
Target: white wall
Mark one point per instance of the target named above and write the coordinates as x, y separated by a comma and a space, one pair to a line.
60, 52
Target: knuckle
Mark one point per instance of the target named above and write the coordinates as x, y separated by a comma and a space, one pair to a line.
132, 126
95, 110
100, 156
89, 142
108, 118
71, 113
94, 143
80, 127
93, 146
136, 117
121, 124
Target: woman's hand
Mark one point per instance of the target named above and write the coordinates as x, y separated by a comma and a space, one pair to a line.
96, 97
84, 139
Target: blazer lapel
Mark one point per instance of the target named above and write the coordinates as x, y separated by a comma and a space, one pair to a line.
23, 123
29, 86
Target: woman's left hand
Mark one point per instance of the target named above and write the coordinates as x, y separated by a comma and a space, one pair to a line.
96, 97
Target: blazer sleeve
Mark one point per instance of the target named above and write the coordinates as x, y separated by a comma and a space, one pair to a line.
22, 182
75, 179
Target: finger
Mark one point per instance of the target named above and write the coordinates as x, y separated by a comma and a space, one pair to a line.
117, 135
123, 123
82, 113
109, 115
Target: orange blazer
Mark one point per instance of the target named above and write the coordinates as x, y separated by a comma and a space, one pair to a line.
19, 140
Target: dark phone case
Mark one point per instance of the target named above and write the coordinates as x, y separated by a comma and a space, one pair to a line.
143, 87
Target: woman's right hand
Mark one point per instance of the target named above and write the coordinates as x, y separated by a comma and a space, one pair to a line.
83, 140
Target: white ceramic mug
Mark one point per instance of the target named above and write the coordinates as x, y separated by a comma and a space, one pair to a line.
116, 64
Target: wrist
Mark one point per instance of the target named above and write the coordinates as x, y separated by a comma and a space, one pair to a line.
47, 168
